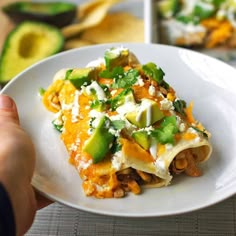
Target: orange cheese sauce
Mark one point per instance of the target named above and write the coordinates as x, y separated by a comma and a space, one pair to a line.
131, 148
74, 136
142, 92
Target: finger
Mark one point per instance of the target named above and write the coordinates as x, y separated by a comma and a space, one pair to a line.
8, 110
41, 200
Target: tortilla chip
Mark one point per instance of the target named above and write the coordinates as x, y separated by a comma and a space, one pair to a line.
92, 6
91, 14
76, 43
116, 27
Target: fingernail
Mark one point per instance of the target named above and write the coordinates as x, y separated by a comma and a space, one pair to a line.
5, 102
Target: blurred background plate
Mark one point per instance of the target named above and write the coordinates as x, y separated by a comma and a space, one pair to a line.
164, 33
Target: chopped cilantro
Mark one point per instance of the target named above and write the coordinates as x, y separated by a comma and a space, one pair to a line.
105, 89
200, 131
112, 74
156, 73
57, 127
116, 147
165, 133
186, 19
179, 106
91, 122
127, 79
122, 79
118, 124
217, 3
120, 98
41, 91
98, 105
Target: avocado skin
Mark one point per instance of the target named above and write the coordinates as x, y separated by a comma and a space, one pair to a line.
58, 14
99, 143
16, 43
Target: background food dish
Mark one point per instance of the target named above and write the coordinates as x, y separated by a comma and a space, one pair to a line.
214, 96
110, 21
167, 31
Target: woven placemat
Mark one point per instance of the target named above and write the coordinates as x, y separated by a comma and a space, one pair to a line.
57, 219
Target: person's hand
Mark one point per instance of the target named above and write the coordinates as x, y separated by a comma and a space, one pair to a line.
17, 162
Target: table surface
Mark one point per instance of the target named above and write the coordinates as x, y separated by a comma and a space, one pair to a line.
57, 219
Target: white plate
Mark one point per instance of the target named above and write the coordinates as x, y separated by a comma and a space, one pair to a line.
208, 82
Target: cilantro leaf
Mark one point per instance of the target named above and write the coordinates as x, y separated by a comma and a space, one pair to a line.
105, 89
41, 91
127, 79
179, 106
186, 19
98, 105
112, 74
56, 126
118, 124
200, 131
116, 147
167, 130
122, 79
120, 98
156, 73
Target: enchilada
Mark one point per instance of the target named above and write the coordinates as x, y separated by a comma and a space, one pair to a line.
124, 126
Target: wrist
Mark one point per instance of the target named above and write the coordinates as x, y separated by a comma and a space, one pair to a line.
22, 198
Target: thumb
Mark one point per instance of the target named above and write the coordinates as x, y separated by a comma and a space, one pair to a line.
8, 110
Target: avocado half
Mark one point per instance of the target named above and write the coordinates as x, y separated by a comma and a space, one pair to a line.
28, 43
59, 14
